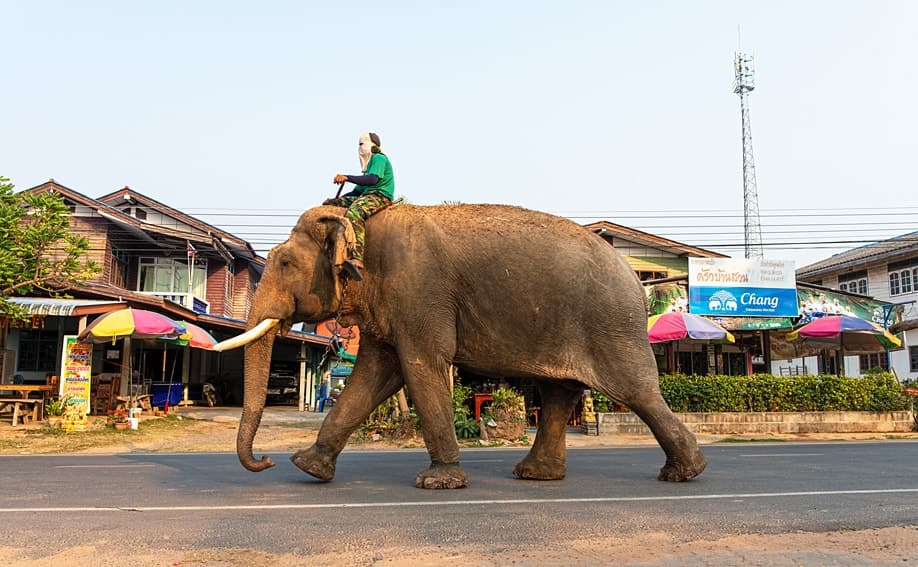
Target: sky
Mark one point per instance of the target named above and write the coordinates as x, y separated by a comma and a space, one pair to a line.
241, 113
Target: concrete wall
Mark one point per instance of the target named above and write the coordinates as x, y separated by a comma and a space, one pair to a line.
739, 423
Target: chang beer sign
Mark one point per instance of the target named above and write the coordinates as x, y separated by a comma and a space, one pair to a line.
729, 287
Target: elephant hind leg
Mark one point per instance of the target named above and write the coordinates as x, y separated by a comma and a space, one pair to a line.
684, 459
547, 460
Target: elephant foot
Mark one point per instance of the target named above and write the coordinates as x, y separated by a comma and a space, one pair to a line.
442, 476
541, 468
682, 470
313, 462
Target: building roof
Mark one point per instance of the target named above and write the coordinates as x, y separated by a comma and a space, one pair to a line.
878, 251
204, 235
650, 240
218, 237
66, 307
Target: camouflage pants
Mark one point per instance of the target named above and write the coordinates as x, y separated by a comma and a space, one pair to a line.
358, 211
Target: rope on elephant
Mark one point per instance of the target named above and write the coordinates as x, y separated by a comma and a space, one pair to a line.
336, 332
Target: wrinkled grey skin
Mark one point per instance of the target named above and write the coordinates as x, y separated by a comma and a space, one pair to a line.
496, 290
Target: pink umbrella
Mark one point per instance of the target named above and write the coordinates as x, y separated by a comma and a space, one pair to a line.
678, 325
853, 334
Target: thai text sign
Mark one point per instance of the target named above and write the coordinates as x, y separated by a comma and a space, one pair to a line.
76, 372
732, 287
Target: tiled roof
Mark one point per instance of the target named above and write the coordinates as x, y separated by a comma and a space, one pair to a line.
884, 249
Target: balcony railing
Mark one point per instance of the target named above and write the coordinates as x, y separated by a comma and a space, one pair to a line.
187, 300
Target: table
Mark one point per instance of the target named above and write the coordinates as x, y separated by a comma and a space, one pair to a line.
25, 389
480, 399
22, 401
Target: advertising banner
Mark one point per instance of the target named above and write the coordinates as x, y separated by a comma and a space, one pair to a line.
76, 371
815, 303
733, 287
673, 296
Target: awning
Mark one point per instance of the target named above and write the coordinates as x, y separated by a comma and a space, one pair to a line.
66, 307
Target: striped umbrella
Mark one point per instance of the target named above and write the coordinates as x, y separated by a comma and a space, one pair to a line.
134, 323
677, 325
853, 334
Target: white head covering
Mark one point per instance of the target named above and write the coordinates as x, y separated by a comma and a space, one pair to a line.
365, 150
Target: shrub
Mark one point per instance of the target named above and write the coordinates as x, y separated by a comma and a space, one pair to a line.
766, 392
56, 406
466, 428
461, 395
601, 404
508, 404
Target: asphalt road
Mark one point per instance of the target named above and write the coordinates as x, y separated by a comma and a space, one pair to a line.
185, 501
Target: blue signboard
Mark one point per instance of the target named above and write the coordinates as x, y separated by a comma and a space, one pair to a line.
730, 287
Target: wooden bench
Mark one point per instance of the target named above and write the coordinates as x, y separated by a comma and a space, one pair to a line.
19, 407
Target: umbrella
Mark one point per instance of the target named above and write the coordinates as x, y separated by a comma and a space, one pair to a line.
852, 334
134, 323
195, 337
678, 325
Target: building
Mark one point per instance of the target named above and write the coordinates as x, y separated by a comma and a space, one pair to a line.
652, 257
885, 270
157, 258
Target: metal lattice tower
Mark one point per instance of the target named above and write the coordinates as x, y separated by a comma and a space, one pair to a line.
743, 84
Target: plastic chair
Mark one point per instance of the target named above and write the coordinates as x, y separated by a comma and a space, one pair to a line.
322, 398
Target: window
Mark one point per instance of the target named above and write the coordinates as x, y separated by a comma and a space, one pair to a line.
119, 269
913, 357
876, 360
903, 281
171, 275
37, 351
855, 282
903, 277
645, 275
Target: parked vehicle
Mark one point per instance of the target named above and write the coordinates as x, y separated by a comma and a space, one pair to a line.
282, 389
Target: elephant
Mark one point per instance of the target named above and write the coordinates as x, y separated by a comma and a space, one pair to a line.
496, 290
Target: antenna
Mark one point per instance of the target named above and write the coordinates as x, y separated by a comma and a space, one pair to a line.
743, 84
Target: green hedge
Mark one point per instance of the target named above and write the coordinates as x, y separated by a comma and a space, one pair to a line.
765, 392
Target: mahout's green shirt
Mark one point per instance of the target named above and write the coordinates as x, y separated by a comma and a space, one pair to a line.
381, 167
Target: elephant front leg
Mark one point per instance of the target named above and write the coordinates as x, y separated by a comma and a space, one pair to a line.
439, 431
547, 460
375, 379
428, 384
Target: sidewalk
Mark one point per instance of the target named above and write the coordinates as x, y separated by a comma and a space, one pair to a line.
273, 415
289, 415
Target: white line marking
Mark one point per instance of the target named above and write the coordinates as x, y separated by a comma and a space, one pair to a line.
457, 502
782, 455
138, 465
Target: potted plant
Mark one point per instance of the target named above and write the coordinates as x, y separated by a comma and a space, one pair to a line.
55, 408
118, 418
506, 416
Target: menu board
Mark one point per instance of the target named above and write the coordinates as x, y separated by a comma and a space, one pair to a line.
76, 372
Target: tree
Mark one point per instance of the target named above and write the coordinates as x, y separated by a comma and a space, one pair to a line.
37, 251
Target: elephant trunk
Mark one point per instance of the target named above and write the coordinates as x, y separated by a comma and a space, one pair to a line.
257, 367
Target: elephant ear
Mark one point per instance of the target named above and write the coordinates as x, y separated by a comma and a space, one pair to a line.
340, 241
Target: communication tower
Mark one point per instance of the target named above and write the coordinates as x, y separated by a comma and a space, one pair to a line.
743, 84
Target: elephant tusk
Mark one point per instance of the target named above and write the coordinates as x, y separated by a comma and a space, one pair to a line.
247, 337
